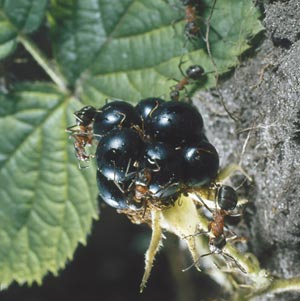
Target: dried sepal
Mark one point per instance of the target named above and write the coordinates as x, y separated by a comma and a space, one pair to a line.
155, 244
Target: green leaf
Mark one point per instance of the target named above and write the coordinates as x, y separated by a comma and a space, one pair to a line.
131, 49
127, 49
46, 203
233, 24
18, 16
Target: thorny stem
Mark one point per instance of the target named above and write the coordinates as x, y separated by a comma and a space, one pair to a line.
256, 281
43, 62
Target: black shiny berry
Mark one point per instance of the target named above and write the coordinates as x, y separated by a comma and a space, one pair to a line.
85, 116
117, 154
159, 153
165, 166
146, 106
116, 114
114, 196
175, 123
201, 164
227, 197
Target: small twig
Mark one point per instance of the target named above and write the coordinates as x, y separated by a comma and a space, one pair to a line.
214, 62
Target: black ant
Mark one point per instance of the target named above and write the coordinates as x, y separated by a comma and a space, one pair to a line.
192, 73
226, 198
82, 131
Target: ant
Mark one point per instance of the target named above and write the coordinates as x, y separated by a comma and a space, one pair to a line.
192, 26
226, 199
141, 184
83, 131
192, 73
144, 190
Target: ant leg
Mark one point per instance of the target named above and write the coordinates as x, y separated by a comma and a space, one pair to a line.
168, 185
202, 201
119, 187
70, 129
196, 234
181, 62
153, 248
235, 262
115, 181
157, 169
123, 118
194, 264
127, 168
155, 108
208, 254
187, 98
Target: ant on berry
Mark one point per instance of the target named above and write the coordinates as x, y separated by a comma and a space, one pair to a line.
141, 183
192, 73
226, 199
83, 133
146, 188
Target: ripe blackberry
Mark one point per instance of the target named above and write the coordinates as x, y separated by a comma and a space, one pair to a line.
160, 171
147, 105
113, 195
201, 164
175, 123
118, 153
116, 114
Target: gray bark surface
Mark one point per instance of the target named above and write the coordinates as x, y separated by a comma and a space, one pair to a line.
264, 94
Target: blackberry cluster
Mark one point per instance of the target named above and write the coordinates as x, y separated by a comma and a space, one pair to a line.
149, 154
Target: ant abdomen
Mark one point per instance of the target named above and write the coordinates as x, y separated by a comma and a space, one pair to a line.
227, 197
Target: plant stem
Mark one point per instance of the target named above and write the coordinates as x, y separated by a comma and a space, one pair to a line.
32, 48
280, 286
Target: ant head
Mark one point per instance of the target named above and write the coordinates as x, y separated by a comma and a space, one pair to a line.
194, 72
174, 95
216, 244
85, 116
143, 177
227, 198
